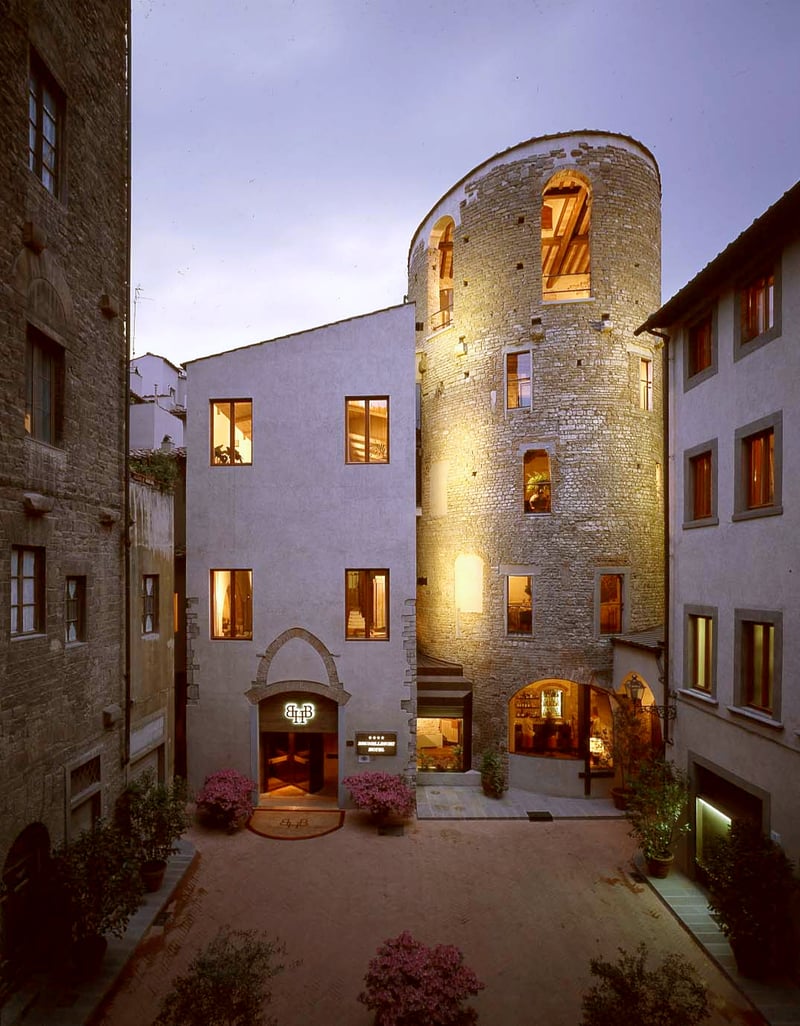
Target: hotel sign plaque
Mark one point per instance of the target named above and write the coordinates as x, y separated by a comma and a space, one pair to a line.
376, 743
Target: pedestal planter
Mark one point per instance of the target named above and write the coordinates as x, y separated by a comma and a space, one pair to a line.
153, 874
659, 866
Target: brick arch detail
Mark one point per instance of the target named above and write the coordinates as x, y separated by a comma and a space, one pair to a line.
333, 689
40, 280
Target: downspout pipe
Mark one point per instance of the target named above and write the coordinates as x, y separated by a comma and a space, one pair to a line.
665, 422
126, 533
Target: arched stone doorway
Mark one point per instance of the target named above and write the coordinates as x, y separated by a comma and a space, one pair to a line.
25, 926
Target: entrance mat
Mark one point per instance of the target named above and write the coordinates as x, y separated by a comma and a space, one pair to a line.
540, 817
295, 824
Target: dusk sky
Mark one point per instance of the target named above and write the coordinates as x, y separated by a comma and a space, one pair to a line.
285, 151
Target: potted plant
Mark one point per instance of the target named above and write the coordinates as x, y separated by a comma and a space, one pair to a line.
98, 886
408, 983
154, 816
385, 795
670, 995
751, 887
657, 813
629, 747
493, 773
225, 799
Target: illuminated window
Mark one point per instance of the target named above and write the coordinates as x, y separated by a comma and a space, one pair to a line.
231, 432
232, 605
700, 648
518, 381
700, 485
149, 603
44, 387
536, 471
758, 666
757, 486
757, 307
610, 602
519, 604
367, 428
441, 274
566, 219
645, 383
45, 125
74, 609
366, 605
700, 348
27, 591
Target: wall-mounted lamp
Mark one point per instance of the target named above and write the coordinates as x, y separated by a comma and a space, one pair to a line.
460, 348
634, 688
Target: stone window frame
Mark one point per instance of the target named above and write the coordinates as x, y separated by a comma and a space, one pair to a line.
45, 374
535, 447
521, 408
773, 618
75, 609
93, 792
689, 456
150, 618
742, 511
692, 380
507, 573
743, 347
441, 305
645, 384
18, 578
611, 571
46, 106
710, 613
379, 457
559, 176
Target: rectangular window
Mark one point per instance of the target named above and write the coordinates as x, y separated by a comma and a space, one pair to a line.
518, 381
84, 793
700, 485
231, 432
758, 665
149, 603
232, 604
645, 384
519, 605
367, 605
45, 125
610, 603
536, 471
757, 305
74, 609
44, 382
367, 429
699, 354
27, 591
758, 485
700, 651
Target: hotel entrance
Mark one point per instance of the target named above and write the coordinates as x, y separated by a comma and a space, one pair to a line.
298, 747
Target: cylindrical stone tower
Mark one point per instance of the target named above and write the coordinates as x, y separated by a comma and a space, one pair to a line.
541, 528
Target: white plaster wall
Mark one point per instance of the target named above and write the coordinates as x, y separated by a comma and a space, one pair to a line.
752, 564
149, 424
299, 516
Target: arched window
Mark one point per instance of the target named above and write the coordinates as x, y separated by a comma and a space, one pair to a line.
566, 219
440, 291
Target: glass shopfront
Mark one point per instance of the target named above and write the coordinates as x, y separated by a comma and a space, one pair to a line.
552, 719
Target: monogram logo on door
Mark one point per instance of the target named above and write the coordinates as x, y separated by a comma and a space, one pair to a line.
299, 713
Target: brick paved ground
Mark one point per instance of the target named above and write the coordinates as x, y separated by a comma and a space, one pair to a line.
528, 902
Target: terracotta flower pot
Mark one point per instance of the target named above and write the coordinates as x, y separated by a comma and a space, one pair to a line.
153, 874
659, 866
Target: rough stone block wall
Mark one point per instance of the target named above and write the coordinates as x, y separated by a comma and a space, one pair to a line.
52, 695
606, 453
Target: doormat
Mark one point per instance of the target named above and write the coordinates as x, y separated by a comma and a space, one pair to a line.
295, 824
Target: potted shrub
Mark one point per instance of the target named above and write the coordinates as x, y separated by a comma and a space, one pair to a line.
657, 813
154, 816
629, 747
493, 773
385, 795
670, 995
408, 984
225, 799
98, 886
751, 887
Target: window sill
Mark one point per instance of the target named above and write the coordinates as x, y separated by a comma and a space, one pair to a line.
562, 302
27, 636
519, 636
689, 525
538, 513
755, 514
70, 645
755, 717
701, 697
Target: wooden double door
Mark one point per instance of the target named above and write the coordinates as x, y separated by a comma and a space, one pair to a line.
292, 759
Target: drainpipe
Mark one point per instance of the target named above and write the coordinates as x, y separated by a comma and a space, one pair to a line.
126, 534
664, 662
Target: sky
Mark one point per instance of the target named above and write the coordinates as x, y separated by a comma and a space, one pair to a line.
285, 151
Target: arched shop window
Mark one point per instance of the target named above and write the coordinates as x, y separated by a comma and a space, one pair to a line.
548, 719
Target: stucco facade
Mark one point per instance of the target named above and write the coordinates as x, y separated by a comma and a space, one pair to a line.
541, 437
285, 515
734, 343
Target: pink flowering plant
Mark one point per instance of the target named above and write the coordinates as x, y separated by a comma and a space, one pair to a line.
410, 984
382, 793
225, 799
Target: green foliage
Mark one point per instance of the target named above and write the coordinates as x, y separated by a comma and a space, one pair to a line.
153, 815
630, 745
657, 808
493, 773
226, 984
670, 995
160, 467
98, 881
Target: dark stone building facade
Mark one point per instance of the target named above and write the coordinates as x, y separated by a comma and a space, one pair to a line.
64, 225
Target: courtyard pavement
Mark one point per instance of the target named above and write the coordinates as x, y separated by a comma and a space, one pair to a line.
528, 898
